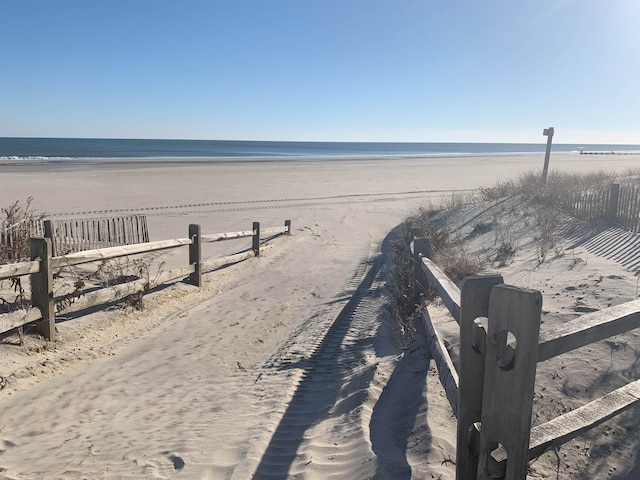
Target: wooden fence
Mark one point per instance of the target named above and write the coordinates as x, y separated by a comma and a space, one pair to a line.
629, 208
74, 235
492, 390
44, 305
620, 203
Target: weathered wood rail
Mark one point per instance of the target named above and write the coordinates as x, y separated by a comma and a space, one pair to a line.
491, 392
45, 306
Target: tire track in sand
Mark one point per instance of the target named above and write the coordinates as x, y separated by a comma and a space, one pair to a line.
324, 430
245, 204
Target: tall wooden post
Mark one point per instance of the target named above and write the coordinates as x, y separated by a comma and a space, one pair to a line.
474, 303
548, 132
49, 232
421, 248
42, 287
195, 254
509, 379
614, 199
256, 238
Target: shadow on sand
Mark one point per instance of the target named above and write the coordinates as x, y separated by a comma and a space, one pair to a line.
334, 384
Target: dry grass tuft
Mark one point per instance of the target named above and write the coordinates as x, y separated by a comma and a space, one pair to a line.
402, 307
447, 249
559, 187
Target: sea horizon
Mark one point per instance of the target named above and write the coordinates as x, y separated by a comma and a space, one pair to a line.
51, 148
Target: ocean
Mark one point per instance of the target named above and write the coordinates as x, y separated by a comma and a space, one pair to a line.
72, 148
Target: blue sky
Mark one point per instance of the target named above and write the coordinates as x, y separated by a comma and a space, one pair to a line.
330, 70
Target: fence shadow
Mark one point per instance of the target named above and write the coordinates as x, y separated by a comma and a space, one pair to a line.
394, 414
608, 240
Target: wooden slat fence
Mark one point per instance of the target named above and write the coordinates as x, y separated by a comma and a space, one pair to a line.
620, 203
493, 399
589, 205
628, 214
45, 306
74, 235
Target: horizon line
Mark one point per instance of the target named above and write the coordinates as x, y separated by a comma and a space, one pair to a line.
309, 141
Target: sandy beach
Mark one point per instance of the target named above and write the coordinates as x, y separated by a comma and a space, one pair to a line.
283, 366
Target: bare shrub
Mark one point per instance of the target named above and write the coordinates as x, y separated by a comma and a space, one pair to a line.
457, 200
560, 186
481, 227
505, 252
402, 307
547, 224
455, 262
17, 219
119, 271
498, 191
447, 249
108, 274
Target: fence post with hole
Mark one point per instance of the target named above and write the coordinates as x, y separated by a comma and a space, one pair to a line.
195, 254
256, 239
42, 287
474, 305
509, 379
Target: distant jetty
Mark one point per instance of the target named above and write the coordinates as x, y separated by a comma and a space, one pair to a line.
584, 152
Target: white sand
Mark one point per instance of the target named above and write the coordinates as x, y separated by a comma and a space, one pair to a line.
268, 369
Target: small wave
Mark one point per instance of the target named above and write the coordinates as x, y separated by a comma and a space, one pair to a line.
36, 158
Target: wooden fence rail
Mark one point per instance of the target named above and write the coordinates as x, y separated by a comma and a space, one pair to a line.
493, 399
43, 262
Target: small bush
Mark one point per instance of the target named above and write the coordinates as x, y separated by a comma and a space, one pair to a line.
498, 191
447, 249
505, 252
17, 220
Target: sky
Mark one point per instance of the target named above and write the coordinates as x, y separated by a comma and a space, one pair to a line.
330, 70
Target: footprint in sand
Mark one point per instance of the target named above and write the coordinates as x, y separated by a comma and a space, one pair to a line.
159, 467
178, 462
5, 444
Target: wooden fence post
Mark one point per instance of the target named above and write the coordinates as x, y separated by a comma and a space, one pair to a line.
421, 248
548, 132
49, 232
474, 303
287, 223
256, 238
614, 198
509, 379
195, 254
42, 287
